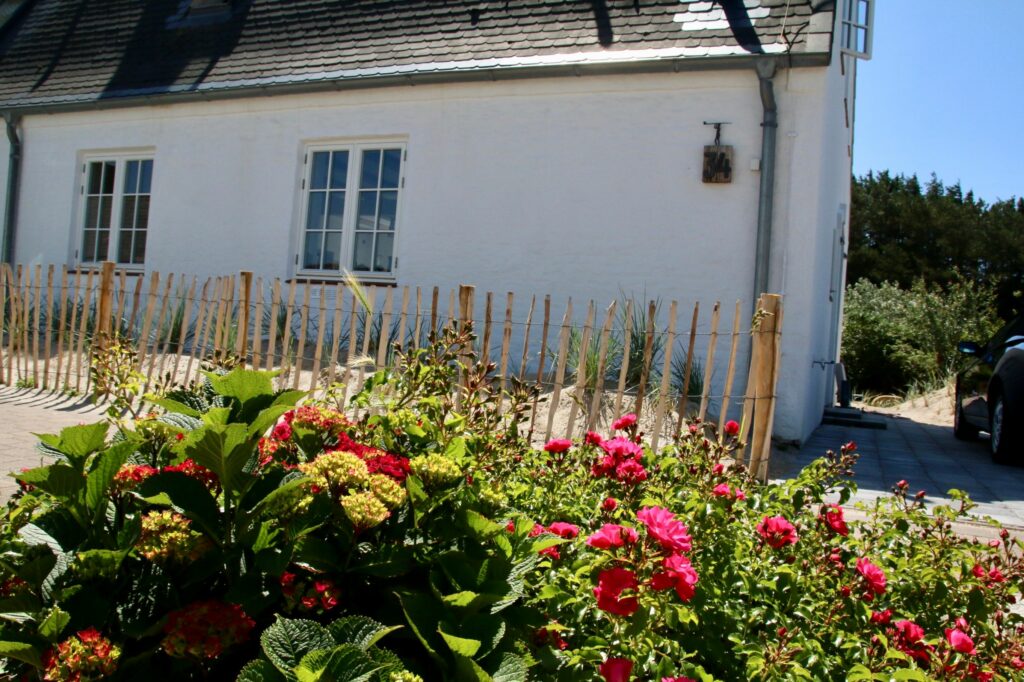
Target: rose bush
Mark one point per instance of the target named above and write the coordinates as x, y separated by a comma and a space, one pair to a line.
412, 533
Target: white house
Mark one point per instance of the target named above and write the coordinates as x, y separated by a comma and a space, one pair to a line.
546, 146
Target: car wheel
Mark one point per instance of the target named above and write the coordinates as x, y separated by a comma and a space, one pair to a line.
963, 429
1003, 439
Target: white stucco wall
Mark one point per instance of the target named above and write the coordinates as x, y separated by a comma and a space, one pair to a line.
583, 187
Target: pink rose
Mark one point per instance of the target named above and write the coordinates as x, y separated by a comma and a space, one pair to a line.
612, 535
610, 586
557, 446
282, 431
616, 670
740, 495
662, 525
678, 573
680, 678
564, 530
609, 504
622, 448
550, 552
833, 518
731, 428
881, 617
960, 641
593, 438
718, 469
873, 575
624, 422
631, 472
777, 532
722, 490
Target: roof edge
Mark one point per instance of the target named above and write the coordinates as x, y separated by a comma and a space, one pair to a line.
422, 74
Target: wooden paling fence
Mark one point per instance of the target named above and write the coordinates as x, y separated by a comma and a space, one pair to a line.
625, 357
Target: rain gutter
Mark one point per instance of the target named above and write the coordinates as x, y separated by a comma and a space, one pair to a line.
13, 178
765, 68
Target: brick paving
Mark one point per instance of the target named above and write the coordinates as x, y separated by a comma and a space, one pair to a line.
927, 456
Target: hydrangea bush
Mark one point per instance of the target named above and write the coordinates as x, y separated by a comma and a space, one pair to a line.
412, 533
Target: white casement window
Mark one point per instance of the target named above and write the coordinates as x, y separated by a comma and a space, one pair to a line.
114, 218
350, 209
858, 21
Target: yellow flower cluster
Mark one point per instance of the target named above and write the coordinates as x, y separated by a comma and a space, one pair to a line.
168, 536
366, 498
436, 471
405, 676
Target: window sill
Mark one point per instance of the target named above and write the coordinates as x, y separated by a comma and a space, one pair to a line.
129, 270
320, 278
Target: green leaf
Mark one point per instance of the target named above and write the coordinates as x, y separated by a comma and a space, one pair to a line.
460, 645
361, 631
60, 480
259, 671
242, 384
78, 442
480, 526
34, 535
104, 468
512, 669
456, 449
469, 670
224, 450
54, 624
189, 495
173, 406
421, 612
267, 418
22, 652
287, 641
348, 663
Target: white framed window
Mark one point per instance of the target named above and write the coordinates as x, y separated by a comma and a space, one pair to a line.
857, 27
113, 222
351, 205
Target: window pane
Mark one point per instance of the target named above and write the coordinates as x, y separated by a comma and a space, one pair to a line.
862, 12
363, 251
388, 208
105, 205
95, 177
382, 257
332, 251
318, 178
335, 210
142, 217
89, 246
102, 240
128, 213
311, 254
139, 252
145, 176
108, 177
131, 177
392, 168
92, 211
367, 210
371, 168
339, 170
124, 247
315, 215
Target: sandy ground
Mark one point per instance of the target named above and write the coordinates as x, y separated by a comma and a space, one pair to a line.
935, 407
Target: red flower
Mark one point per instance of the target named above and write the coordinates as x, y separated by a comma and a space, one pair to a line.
536, 530
678, 573
731, 428
204, 629
564, 530
616, 670
557, 445
662, 525
551, 552
394, 467
881, 617
718, 469
777, 532
510, 526
612, 535
680, 678
722, 490
995, 576
833, 518
610, 586
908, 640
873, 575
197, 471
593, 438
622, 448
960, 641
631, 472
282, 431
609, 504
624, 422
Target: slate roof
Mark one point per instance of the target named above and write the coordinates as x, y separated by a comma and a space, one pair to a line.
65, 52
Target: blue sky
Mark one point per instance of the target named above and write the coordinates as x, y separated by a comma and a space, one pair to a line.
944, 93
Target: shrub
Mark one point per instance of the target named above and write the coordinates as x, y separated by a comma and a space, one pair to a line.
241, 535
894, 338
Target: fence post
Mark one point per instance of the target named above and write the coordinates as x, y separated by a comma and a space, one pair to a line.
767, 342
466, 293
243, 314
106, 306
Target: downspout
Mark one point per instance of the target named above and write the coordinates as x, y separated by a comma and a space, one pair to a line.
766, 196
13, 177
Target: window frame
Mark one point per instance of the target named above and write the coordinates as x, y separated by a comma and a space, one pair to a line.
355, 149
850, 27
120, 158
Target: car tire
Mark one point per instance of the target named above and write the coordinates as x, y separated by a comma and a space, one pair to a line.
1004, 437
963, 429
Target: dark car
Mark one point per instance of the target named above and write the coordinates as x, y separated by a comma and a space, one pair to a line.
990, 392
